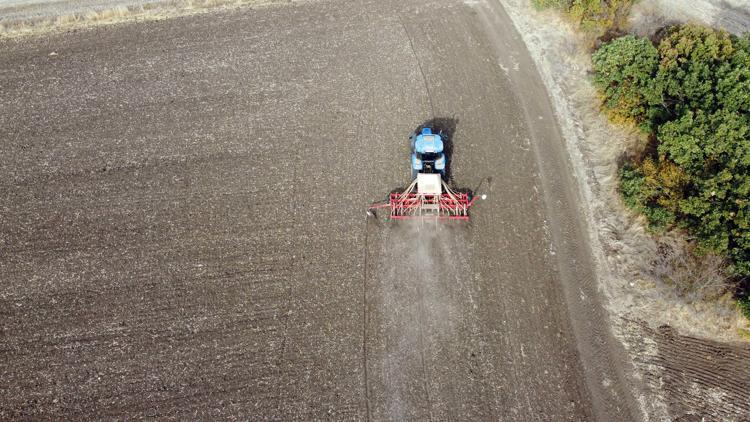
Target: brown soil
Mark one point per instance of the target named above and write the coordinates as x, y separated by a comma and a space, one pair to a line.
702, 380
183, 229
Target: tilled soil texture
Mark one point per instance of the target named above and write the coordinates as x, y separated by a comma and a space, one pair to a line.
701, 380
183, 231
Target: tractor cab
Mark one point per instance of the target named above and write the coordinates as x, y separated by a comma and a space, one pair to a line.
427, 153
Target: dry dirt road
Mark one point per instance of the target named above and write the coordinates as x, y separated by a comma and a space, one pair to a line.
183, 235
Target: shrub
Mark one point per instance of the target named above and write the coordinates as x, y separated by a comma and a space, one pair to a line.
744, 304
695, 277
551, 4
593, 16
654, 190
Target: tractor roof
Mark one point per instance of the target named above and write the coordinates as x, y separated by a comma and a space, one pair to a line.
427, 142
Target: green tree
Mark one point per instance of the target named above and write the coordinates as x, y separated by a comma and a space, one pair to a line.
744, 304
693, 95
733, 77
626, 71
690, 57
654, 188
713, 151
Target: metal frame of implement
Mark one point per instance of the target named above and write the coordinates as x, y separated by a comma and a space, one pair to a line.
412, 204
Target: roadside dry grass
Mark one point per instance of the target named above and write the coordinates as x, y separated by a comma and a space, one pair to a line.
30, 26
695, 277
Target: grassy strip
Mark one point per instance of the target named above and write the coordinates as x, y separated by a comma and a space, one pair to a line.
11, 29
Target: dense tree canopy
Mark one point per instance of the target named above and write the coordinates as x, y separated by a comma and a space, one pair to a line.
690, 58
625, 75
692, 94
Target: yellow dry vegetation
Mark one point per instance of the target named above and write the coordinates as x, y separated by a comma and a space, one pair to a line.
120, 14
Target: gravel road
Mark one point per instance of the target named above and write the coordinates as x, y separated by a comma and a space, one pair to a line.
182, 226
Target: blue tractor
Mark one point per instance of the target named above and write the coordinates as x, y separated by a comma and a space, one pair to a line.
427, 154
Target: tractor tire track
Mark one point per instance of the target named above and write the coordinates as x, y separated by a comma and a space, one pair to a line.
365, 317
419, 65
421, 344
